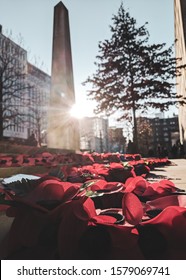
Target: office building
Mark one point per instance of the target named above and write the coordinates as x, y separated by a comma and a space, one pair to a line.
94, 134
180, 48
24, 94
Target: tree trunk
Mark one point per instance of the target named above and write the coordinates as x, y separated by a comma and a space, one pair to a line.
135, 131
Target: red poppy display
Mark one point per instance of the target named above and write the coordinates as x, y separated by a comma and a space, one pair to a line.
105, 210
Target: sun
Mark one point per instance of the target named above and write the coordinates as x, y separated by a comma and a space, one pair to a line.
77, 111
80, 111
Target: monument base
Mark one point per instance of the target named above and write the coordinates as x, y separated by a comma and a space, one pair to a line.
63, 131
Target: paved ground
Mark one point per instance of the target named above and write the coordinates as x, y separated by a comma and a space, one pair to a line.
175, 172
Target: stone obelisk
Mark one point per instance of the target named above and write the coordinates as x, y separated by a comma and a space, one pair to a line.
62, 132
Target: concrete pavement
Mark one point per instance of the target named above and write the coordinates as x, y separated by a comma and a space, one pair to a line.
175, 172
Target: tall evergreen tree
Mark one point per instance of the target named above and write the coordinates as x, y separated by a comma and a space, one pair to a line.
132, 75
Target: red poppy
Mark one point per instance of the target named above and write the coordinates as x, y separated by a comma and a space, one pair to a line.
165, 201
132, 208
171, 223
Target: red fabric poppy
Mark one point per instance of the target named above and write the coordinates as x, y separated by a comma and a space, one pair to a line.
171, 223
161, 188
137, 185
72, 225
118, 173
124, 243
165, 201
98, 185
28, 161
52, 189
47, 155
5, 161
7, 196
17, 160
132, 208
24, 231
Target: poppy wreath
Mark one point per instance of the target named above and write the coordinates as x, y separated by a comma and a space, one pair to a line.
51, 218
49, 159
96, 219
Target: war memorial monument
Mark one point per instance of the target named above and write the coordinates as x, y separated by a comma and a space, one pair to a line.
63, 132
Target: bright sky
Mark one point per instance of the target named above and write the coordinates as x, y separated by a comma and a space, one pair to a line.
89, 24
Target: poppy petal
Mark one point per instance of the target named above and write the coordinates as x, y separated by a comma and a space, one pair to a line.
132, 208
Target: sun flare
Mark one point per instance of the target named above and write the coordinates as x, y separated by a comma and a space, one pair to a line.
80, 111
